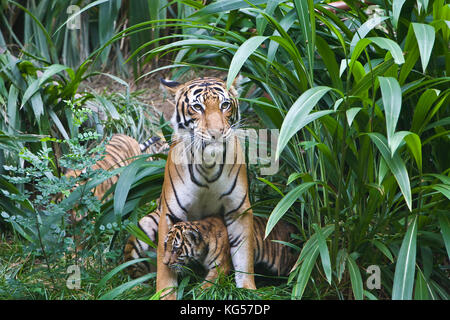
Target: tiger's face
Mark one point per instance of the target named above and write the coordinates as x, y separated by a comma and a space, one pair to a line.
183, 245
205, 110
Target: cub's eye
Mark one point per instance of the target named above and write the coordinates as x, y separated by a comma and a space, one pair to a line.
197, 107
225, 105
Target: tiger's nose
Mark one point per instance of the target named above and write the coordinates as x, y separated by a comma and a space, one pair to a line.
215, 134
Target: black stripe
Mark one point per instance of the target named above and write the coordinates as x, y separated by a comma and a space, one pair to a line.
144, 231
240, 205
233, 185
236, 241
178, 173
194, 179
175, 193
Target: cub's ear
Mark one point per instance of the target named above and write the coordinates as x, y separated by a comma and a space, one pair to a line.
194, 236
171, 85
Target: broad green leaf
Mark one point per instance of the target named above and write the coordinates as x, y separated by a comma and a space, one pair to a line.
141, 235
294, 120
241, 55
442, 188
284, 205
391, 46
324, 253
270, 184
425, 35
364, 29
421, 288
392, 102
396, 165
384, 249
415, 147
355, 279
405, 267
351, 114
397, 139
36, 84
305, 272
312, 243
396, 9
422, 109
227, 5
124, 183
444, 222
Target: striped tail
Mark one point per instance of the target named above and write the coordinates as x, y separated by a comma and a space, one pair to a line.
144, 146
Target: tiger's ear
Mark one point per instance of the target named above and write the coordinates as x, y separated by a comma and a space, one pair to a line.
193, 235
235, 85
171, 85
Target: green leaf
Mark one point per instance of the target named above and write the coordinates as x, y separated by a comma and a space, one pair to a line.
391, 46
392, 102
227, 5
444, 222
396, 9
396, 165
126, 286
285, 204
422, 109
421, 289
324, 253
405, 267
364, 29
355, 278
415, 147
425, 35
306, 18
384, 249
294, 120
305, 272
241, 55
351, 114
123, 185
36, 84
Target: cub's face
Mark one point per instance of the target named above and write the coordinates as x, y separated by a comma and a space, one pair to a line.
205, 110
182, 246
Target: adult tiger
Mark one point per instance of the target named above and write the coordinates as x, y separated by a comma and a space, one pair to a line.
120, 151
205, 116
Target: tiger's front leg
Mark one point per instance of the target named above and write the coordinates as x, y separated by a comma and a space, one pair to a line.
240, 235
166, 279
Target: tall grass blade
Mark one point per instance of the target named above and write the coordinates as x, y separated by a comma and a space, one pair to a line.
404, 269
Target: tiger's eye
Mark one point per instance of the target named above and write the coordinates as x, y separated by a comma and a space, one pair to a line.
197, 107
225, 105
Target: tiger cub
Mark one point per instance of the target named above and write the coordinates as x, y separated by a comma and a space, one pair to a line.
271, 256
204, 242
